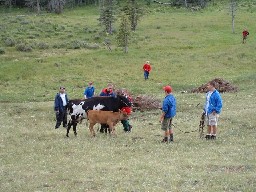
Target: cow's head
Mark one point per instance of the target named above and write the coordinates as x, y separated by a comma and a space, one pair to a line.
123, 101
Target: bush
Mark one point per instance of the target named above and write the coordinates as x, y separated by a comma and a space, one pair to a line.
75, 44
43, 45
2, 51
24, 47
9, 42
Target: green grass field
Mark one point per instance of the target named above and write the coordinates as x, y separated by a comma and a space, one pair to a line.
186, 49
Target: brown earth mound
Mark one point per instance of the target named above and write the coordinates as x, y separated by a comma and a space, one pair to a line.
221, 85
146, 102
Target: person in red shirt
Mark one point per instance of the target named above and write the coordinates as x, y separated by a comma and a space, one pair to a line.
147, 69
245, 34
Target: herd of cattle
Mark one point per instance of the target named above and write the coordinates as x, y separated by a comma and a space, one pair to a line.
104, 110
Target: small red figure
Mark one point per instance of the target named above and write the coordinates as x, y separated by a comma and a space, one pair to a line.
245, 34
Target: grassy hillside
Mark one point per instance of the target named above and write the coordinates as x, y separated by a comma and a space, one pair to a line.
186, 49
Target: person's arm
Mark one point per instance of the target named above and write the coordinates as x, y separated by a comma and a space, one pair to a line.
219, 104
56, 105
162, 117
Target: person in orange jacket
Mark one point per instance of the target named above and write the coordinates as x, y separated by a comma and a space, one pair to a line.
147, 69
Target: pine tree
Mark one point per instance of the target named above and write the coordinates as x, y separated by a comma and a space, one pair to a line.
124, 32
107, 9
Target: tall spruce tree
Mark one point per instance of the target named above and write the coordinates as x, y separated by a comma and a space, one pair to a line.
107, 18
133, 11
124, 33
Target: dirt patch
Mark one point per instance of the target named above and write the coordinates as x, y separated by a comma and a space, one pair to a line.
221, 85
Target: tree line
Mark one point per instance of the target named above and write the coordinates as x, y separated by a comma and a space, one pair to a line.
57, 6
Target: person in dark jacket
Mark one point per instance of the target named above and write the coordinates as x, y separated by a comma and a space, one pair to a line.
60, 104
168, 113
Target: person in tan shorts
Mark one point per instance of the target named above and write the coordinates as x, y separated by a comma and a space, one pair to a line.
213, 106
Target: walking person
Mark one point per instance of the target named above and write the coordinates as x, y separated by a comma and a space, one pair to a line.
245, 34
168, 113
212, 109
147, 69
60, 104
89, 91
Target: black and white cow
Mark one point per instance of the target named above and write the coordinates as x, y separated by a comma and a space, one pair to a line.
77, 109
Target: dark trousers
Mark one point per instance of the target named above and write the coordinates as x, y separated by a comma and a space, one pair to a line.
126, 125
146, 74
61, 117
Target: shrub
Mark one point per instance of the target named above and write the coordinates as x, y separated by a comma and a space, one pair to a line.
24, 47
9, 42
92, 46
75, 44
43, 45
2, 51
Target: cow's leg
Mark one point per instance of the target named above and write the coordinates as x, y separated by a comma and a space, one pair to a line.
69, 126
112, 128
74, 128
91, 129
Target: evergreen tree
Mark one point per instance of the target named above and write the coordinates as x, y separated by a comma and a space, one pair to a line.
107, 18
134, 12
124, 32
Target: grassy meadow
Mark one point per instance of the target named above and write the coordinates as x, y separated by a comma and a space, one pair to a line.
186, 49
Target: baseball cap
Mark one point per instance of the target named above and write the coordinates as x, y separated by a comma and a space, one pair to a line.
167, 88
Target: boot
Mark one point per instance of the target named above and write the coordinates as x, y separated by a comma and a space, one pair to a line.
213, 136
171, 137
208, 136
165, 140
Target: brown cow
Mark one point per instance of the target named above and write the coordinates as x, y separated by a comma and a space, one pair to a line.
105, 117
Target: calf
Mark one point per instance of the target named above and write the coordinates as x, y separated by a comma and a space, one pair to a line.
105, 117
78, 108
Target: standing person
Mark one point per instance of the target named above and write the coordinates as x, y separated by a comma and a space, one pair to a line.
108, 91
126, 124
168, 113
60, 103
147, 69
89, 91
213, 106
245, 34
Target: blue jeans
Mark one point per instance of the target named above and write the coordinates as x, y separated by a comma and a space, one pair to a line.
146, 74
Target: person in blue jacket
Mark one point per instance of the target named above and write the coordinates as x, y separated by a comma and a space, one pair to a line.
212, 109
89, 91
60, 107
168, 113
